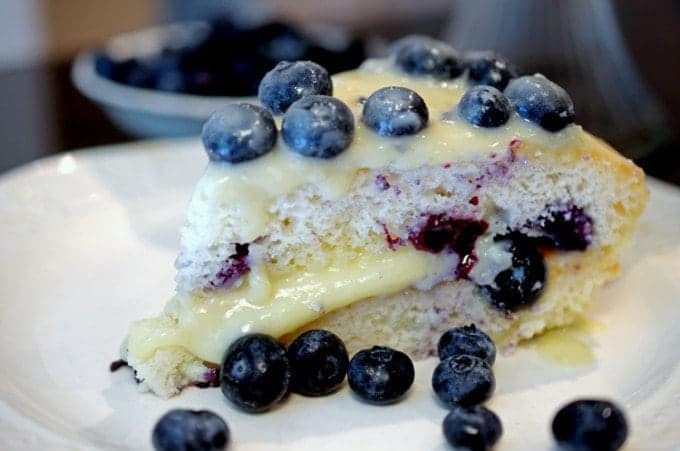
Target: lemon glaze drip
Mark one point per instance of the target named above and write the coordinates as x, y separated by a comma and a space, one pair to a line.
206, 322
568, 345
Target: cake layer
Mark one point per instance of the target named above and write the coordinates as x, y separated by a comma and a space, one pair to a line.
414, 320
232, 203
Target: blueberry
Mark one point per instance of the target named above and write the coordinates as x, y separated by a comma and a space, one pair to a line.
472, 428
541, 101
589, 425
520, 285
565, 227
485, 106
395, 111
255, 372
170, 80
466, 340
463, 380
104, 65
239, 132
380, 374
184, 430
289, 82
422, 55
489, 68
318, 126
318, 361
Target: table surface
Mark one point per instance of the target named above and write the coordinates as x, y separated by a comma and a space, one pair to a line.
41, 113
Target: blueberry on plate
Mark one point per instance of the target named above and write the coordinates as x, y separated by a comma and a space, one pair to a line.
520, 285
485, 106
255, 373
395, 111
318, 126
422, 55
472, 428
466, 340
197, 430
290, 81
380, 375
590, 425
541, 101
239, 132
318, 361
463, 380
489, 68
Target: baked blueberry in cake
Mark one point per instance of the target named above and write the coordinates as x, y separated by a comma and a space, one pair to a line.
420, 192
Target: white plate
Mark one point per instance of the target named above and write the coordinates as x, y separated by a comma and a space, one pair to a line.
88, 242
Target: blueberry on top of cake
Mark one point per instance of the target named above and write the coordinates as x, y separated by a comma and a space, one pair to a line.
425, 191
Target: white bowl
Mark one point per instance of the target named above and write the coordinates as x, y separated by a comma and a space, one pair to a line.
148, 113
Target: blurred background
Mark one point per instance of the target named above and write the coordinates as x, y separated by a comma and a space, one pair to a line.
619, 60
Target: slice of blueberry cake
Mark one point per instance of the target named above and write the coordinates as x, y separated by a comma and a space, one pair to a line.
389, 204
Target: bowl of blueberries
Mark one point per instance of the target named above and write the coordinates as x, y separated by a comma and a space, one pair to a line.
166, 81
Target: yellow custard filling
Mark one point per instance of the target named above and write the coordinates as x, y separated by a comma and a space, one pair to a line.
206, 323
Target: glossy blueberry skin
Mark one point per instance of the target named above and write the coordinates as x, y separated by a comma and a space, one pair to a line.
318, 126
255, 373
318, 361
290, 81
190, 430
422, 55
472, 428
489, 68
380, 375
590, 425
541, 101
485, 106
518, 287
395, 111
463, 380
466, 340
239, 132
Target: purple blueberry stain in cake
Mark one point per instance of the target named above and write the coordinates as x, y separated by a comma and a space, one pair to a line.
442, 232
565, 227
515, 144
392, 241
211, 378
233, 268
381, 182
